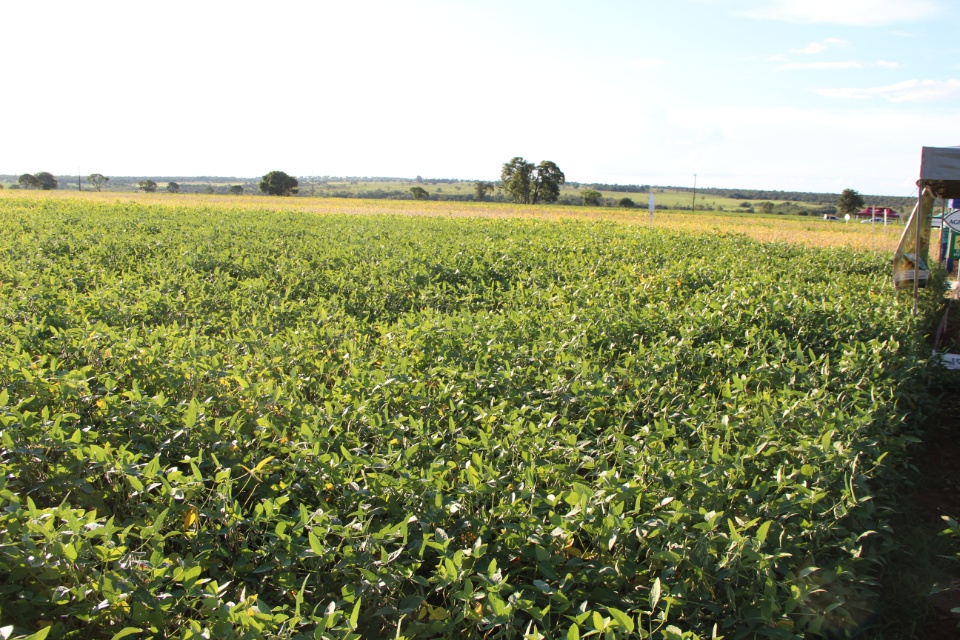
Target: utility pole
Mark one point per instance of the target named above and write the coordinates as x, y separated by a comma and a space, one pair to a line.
694, 206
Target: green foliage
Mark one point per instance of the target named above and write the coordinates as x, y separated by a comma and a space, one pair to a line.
147, 186
547, 180
953, 529
591, 198
45, 180
173, 187
277, 183
515, 179
28, 181
626, 203
766, 207
527, 183
849, 201
235, 425
98, 180
481, 189
419, 193
236, 190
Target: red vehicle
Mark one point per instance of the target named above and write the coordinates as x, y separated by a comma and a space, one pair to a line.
877, 212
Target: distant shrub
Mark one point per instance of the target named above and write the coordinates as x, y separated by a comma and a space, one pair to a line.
626, 202
591, 198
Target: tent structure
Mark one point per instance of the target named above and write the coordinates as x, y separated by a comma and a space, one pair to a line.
940, 170
939, 178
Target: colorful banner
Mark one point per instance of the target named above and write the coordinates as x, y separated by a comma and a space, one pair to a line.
911, 259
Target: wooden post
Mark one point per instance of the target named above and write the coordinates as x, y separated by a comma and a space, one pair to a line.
916, 262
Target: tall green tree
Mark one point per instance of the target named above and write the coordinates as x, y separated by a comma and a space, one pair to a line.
46, 180
148, 186
173, 187
527, 183
278, 183
419, 193
849, 201
97, 180
547, 180
515, 178
28, 181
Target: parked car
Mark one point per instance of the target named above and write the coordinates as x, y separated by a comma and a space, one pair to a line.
873, 221
830, 218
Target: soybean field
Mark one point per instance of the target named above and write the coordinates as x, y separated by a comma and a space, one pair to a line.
239, 423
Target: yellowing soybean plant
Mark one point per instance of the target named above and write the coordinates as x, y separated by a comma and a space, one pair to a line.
240, 423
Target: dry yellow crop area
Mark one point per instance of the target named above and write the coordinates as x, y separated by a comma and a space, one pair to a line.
806, 231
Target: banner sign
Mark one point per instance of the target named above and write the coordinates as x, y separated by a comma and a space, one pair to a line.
910, 260
952, 220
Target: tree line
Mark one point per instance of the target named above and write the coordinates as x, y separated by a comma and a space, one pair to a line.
521, 181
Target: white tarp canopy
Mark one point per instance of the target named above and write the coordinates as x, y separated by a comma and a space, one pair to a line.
940, 170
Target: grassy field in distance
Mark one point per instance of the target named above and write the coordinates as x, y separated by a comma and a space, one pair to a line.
664, 196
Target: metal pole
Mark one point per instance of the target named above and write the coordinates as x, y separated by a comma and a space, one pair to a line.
694, 205
916, 249
949, 242
652, 205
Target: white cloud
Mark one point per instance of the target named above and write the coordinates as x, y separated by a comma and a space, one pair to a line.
861, 13
906, 91
886, 64
797, 66
813, 47
821, 46
645, 64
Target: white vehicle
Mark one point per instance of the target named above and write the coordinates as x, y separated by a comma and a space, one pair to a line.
872, 221
830, 218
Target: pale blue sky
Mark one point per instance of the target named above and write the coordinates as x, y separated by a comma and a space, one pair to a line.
813, 95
